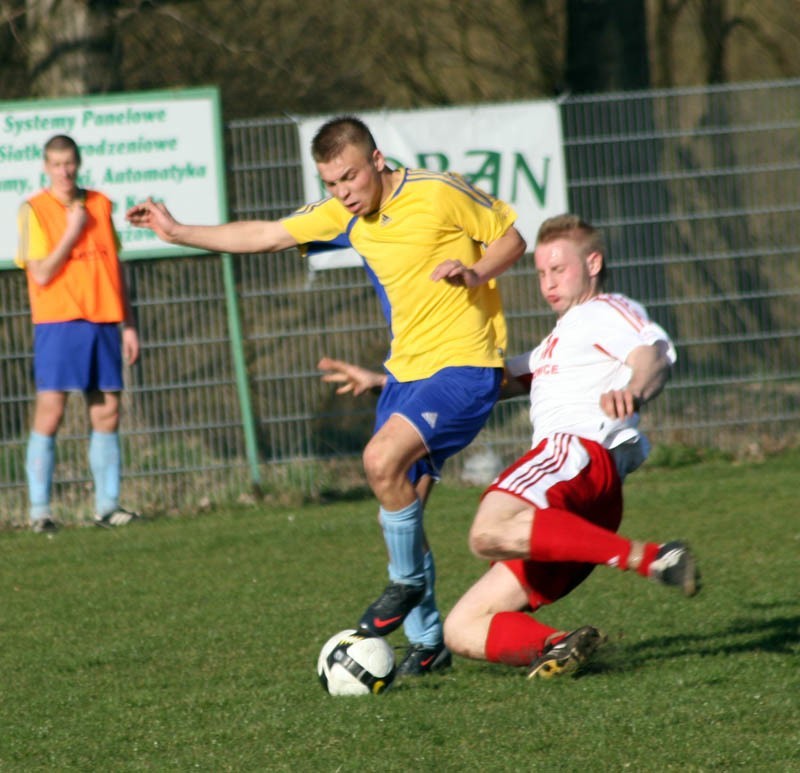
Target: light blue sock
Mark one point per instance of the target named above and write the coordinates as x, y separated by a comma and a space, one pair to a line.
40, 461
105, 463
424, 624
402, 532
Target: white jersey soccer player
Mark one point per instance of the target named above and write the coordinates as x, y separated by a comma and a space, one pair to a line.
552, 516
584, 356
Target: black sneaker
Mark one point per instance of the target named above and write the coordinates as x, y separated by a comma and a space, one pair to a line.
387, 613
44, 525
421, 660
568, 655
674, 565
118, 517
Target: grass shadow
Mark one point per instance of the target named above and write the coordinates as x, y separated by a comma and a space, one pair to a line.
778, 635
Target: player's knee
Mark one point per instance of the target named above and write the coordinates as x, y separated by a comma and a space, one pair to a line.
451, 639
380, 469
105, 421
104, 411
453, 634
465, 634
481, 542
47, 424
374, 467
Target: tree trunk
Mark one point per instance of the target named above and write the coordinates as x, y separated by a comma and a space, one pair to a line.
606, 46
73, 47
607, 51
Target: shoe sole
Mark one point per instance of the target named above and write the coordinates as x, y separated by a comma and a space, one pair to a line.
691, 577
572, 661
104, 524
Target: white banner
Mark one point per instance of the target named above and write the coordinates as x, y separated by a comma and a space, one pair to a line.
161, 144
513, 151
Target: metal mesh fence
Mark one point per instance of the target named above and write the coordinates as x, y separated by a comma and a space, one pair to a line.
696, 190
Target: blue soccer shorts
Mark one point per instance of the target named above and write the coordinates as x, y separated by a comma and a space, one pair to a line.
77, 356
448, 410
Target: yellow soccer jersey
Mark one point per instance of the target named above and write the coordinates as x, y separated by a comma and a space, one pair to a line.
33, 243
431, 217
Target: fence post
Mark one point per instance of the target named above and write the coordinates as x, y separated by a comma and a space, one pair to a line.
237, 350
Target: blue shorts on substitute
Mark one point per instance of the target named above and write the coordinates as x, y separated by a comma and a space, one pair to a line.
77, 356
448, 410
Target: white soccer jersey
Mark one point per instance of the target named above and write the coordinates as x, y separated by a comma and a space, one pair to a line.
583, 357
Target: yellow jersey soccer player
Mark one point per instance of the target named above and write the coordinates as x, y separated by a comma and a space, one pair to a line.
433, 246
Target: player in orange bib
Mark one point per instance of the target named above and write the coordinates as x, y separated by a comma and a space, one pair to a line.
69, 250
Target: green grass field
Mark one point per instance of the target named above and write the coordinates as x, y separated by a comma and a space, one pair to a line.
190, 643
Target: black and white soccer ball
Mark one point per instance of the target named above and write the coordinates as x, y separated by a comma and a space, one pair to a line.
356, 662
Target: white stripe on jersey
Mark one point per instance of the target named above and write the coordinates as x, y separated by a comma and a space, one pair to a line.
561, 458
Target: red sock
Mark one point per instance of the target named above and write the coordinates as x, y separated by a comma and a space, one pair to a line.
558, 535
515, 638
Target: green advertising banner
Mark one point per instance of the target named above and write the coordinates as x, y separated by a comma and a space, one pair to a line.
513, 151
164, 144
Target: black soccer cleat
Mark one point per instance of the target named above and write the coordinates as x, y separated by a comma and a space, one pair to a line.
118, 517
388, 611
675, 565
420, 660
44, 525
568, 655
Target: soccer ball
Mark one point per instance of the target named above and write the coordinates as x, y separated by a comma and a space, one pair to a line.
356, 663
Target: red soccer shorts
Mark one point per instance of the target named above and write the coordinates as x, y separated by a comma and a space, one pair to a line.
567, 473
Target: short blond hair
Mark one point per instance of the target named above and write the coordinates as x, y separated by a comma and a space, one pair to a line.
573, 227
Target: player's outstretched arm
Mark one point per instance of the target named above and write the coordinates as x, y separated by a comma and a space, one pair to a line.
500, 255
240, 236
351, 377
650, 370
